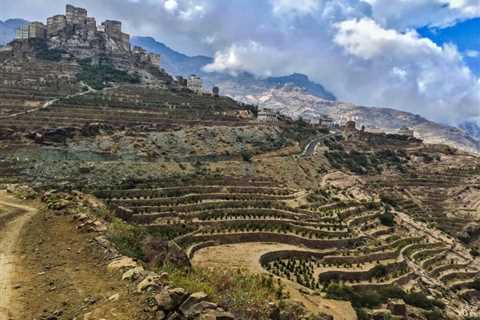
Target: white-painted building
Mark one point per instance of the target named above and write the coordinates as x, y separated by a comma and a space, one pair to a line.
195, 83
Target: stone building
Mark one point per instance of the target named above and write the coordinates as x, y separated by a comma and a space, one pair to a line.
113, 29
267, 116
405, 131
75, 15
22, 33
146, 57
34, 30
195, 83
350, 125
56, 24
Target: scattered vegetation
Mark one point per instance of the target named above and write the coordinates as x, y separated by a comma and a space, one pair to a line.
375, 298
99, 76
44, 53
246, 295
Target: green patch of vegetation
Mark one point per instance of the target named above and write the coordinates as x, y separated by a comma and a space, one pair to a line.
99, 76
434, 315
42, 52
246, 295
374, 298
387, 218
127, 238
476, 284
363, 162
246, 156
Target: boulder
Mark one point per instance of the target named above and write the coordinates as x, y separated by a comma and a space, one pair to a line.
134, 274
199, 308
122, 263
191, 301
150, 283
216, 315
169, 299
158, 253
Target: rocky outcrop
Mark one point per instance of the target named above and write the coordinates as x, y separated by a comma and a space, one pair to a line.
470, 232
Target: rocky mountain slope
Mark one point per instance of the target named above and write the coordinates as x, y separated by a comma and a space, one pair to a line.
296, 103
472, 128
298, 96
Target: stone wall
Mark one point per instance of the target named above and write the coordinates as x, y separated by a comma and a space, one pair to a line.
359, 275
271, 237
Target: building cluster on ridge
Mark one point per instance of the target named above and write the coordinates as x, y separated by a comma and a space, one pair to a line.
76, 23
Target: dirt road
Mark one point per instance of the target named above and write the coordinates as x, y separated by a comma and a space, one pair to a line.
13, 217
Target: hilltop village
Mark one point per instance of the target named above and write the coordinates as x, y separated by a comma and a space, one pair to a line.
131, 193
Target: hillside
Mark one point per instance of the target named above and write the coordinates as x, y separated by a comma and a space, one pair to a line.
151, 200
298, 103
296, 95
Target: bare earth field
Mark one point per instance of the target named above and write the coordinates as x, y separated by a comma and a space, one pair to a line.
49, 270
246, 256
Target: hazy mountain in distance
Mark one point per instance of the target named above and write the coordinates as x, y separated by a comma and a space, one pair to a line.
471, 128
7, 29
296, 103
295, 95
177, 63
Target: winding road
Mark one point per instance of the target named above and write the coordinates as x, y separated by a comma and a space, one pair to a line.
53, 101
311, 147
13, 217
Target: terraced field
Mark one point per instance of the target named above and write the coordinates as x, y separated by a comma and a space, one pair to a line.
130, 106
315, 245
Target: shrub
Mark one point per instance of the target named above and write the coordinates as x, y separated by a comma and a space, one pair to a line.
246, 156
44, 53
387, 219
434, 315
127, 238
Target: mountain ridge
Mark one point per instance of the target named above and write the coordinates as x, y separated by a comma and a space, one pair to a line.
178, 63
8, 27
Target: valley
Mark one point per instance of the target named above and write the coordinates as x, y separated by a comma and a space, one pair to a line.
140, 197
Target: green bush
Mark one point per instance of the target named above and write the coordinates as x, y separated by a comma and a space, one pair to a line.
246, 156
387, 219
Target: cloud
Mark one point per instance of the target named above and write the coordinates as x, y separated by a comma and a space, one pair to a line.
438, 82
171, 5
365, 51
288, 7
472, 53
419, 13
250, 56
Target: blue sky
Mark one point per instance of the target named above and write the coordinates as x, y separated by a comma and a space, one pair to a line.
465, 35
369, 52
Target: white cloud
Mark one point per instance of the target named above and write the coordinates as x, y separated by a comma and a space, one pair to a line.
366, 39
472, 53
440, 85
171, 5
250, 56
417, 13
